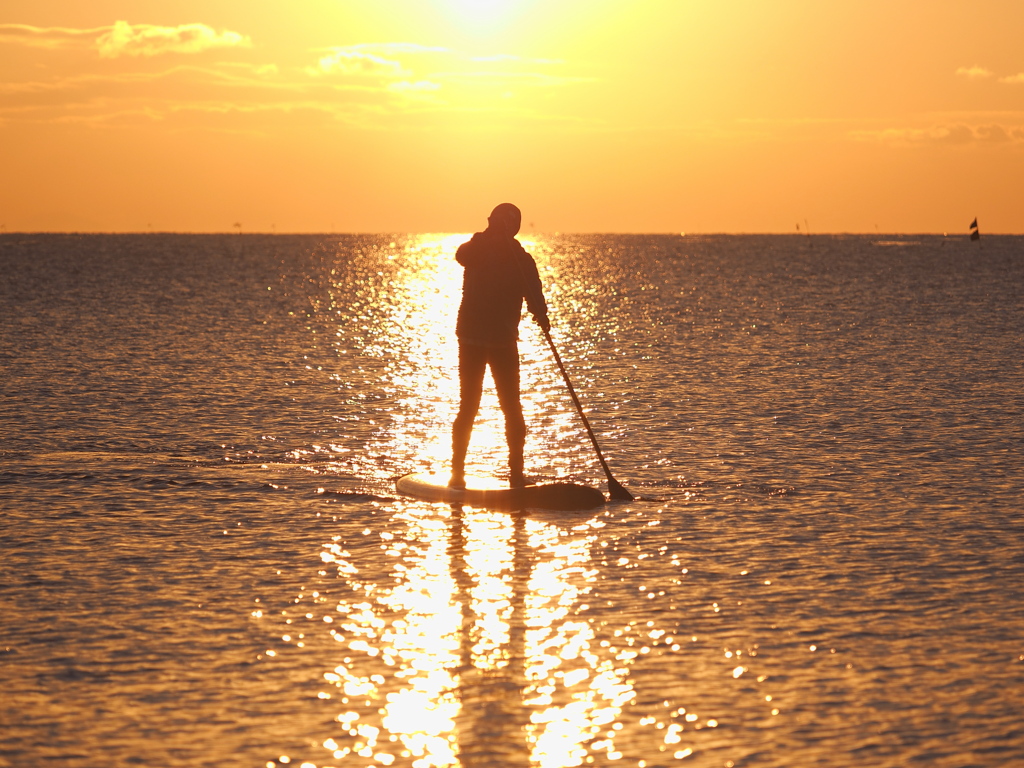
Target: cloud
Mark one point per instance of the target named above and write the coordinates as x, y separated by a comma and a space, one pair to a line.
218, 96
371, 59
505, 57
123, 39
48, 37
974, 73
394, 49
411, 64
995, 133
958, 134
506, 79
351, 61
420, 86
498, 57
369, 84
980, 73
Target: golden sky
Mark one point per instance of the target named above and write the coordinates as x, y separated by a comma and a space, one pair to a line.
592, 115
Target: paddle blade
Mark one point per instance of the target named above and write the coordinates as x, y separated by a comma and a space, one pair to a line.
617, 492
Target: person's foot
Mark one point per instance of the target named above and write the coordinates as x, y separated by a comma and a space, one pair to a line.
458, 481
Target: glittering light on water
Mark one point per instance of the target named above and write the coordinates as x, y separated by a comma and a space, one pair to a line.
461, 613
472, 624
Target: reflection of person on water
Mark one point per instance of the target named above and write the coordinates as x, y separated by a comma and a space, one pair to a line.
492, 721
499, 275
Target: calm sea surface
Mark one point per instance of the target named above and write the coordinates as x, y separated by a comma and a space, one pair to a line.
203, 561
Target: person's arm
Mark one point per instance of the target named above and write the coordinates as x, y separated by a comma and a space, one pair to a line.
469, 251
534, 293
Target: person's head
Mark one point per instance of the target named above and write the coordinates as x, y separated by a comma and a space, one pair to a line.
505, 219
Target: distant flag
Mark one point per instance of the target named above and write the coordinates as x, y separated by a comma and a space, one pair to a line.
975, 235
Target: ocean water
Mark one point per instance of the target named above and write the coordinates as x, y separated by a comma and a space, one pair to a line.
203, 561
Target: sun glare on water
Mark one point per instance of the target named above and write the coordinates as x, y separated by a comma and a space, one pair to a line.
404, 375
469, 651
464, 636
417, 339
425, 353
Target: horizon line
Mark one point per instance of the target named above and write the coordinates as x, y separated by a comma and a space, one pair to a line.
556, 233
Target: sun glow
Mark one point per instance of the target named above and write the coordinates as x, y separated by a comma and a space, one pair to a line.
483, 15
601, 116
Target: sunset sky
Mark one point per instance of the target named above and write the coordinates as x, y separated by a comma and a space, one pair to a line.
592, 115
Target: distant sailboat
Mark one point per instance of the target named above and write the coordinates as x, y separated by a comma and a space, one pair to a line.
975, 235
807, 232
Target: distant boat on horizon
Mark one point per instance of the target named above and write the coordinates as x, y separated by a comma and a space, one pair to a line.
975, 234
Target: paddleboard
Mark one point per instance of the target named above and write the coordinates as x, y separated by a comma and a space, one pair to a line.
483, 493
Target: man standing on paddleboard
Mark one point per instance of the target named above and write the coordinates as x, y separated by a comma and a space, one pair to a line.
499, 275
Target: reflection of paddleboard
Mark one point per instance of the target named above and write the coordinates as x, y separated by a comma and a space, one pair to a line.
482, 493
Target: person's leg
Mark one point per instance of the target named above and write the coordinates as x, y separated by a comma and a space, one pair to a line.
505, 370
472, 363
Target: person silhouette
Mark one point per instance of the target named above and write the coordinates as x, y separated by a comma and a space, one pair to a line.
499, 274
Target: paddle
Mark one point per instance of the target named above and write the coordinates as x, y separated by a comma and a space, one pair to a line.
615, 489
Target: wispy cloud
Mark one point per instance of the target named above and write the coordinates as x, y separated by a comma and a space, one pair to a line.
48, 37
396, 49
124, 39
260, 70
374, 59
980, 73
974, 73
375, 84
507, 79
352, 62
504, 57
420, 86
216, 97
959, 134
409, 78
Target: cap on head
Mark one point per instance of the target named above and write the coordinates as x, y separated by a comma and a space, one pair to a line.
506, 218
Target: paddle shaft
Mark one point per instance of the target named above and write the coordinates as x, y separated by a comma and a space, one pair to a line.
615, 489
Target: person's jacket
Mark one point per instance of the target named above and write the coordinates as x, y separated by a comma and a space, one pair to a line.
499, 275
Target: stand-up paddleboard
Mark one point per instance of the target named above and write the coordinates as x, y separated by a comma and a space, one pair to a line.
482, 493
